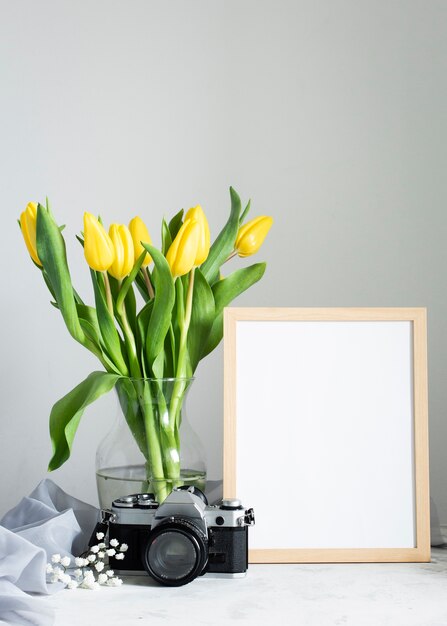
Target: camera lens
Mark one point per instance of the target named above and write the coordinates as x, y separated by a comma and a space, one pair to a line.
176, 552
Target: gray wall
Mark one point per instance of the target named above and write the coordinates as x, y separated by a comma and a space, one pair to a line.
331, 115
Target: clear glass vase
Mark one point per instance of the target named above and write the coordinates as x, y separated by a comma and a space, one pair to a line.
152, 446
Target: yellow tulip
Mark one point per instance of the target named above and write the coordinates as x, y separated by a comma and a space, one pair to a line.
98, 247
251, 235
140, 234
28, 228
196, 213
124, 253
182, 253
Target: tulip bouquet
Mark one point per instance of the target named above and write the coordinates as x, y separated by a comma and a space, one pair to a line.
179, 323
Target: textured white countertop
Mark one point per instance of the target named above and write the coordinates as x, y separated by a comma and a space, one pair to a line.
382, 594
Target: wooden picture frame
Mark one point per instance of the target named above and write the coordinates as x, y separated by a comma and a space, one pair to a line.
368, 366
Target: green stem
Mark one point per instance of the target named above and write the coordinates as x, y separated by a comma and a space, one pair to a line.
108, 293
179, 387
130, 342
154, 447
147, 280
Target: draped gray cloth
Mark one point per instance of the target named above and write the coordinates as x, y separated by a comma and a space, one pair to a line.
47, 522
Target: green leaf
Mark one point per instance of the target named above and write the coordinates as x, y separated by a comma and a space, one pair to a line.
224, 244
67, 412
109, 333
143, 318
52, 253
225, 291
202, 318
141, 286
129, 401
244, 213
176, 223
160, 319
128, 282
130, 305
166, 238
87, 316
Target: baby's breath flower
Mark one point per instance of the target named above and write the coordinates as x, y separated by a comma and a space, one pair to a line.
99, 566
56, 558
49, 568
119, 557
89, 583
65, 561
91, 558
101, 554
54, 578
111, 552
94, 549
101, 546
57, 571
77, 573
114, 543
65, 578
102, 578
124, 547
99, 536
110, 573
72, 584
79, 561
115, 582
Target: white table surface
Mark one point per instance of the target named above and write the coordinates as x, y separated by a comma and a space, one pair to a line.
307, 595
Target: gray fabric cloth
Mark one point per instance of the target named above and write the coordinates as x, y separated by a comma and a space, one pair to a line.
46, 522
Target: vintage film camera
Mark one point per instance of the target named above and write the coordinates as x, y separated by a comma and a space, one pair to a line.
182, 538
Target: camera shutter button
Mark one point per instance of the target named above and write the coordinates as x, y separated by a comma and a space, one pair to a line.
230, 504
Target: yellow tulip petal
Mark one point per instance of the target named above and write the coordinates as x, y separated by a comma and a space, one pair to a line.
182, 253
140, 234
196, 213
128, 248
251, 236
28, 226
98, 247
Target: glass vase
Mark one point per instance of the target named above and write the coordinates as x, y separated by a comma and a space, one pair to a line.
152, 447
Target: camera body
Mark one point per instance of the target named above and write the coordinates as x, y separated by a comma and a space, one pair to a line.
182, 538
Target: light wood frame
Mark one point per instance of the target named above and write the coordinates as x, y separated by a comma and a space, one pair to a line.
419, 553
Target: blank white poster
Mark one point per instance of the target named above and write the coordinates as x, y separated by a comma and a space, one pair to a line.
324, 432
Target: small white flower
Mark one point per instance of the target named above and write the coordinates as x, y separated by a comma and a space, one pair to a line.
119, 557
102, 579
111, 552
91, 558
65, 561
89, 583
72, 584
110, 573
49, 568
101, 546
57, 571
79, 561
101, 554
77, 573
54, 578
114, 543
56, 558
124, 547
94, 549
115, 582
99, 536
99, 566
65, 578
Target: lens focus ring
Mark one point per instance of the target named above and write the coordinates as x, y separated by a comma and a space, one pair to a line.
176, 552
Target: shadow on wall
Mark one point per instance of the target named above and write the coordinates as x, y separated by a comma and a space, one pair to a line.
437, 538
